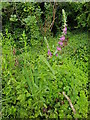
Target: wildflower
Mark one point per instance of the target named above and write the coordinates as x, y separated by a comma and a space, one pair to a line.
65, 29
61, 43
56, 54
65, 32
62, 38
49, 53
58, 48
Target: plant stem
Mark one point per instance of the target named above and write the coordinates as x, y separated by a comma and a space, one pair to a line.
71, 105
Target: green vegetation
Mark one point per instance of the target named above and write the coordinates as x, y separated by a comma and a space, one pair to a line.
32, 81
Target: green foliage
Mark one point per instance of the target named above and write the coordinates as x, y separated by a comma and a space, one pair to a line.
33, 29
32, 82
23, 16
14, 15
31, 87
82, 10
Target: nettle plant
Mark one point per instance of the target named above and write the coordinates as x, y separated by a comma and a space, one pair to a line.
62, 40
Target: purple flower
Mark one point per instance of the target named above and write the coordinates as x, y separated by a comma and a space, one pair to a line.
60, 43
49, 53
56, 54
58, 48
62, 38
65, 30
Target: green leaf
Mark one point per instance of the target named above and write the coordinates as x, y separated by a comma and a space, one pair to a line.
47, 63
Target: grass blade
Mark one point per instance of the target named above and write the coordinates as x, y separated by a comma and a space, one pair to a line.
47, 63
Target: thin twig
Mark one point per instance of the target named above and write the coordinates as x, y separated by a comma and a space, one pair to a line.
54, 12
74, 111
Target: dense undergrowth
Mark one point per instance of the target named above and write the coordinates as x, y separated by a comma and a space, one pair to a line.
38, 69
32, 83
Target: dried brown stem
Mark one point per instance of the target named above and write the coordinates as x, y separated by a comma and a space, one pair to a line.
74, 111
54, 12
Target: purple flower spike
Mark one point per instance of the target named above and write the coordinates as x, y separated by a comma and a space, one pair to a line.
62, 38
58, 48
60, 43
